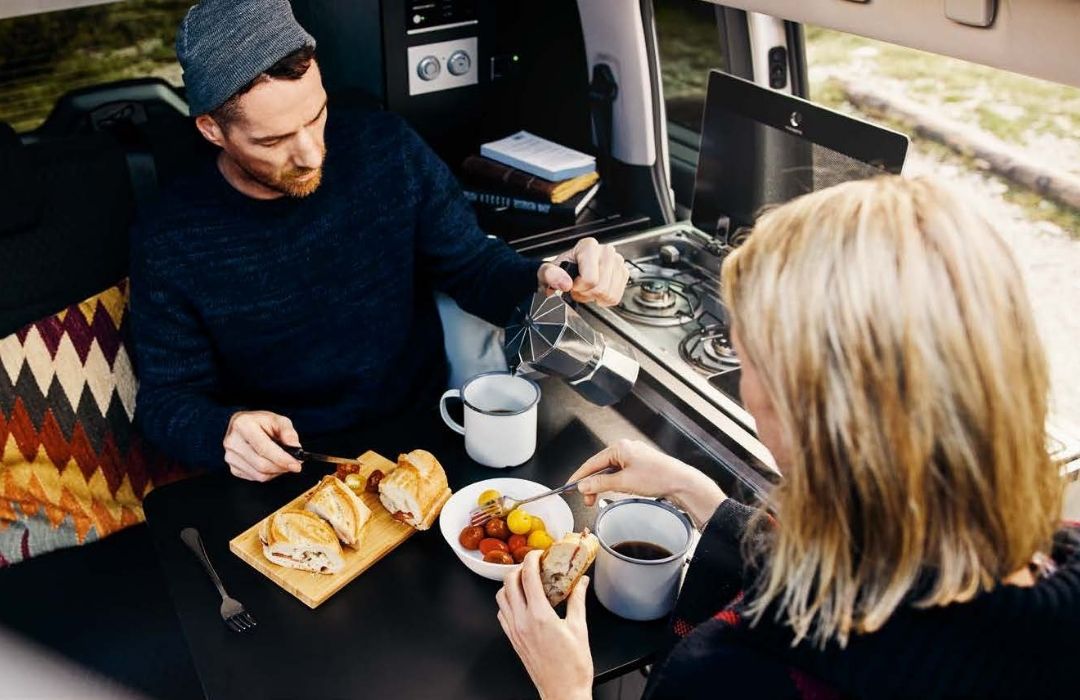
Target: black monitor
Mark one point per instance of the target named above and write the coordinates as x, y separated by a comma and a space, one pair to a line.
760, 147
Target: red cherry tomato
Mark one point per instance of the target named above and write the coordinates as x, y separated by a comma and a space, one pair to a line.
498, 557
470, 537
491, 544
520, 552
496, 527
516, 541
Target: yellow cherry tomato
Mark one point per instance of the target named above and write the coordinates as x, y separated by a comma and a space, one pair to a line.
354, 482
519, 522
487, 496
537, 524
540, 540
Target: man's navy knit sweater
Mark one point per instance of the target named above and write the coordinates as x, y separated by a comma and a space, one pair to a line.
320, 309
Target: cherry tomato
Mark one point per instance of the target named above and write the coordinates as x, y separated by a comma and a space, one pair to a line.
540, 540
519, 522
470, 537
491, 544
537, 524
516, 541
520, 552
496, 556
487, 496
496, 527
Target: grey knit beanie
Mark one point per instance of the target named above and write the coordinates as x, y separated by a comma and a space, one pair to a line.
224, 44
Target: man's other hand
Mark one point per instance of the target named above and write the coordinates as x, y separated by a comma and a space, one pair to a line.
602, 273
251, 448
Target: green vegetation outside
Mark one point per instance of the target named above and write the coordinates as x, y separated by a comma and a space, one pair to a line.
49, 54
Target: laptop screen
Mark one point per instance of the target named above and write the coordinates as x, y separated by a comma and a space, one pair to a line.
760, 147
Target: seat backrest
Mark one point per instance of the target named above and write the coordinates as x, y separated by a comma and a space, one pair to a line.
64, 224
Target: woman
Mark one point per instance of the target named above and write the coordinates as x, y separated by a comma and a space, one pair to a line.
891, 363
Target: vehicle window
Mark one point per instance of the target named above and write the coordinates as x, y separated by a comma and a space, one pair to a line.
1038, 119
46, 55
688, 39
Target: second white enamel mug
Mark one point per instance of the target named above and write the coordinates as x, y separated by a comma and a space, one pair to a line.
500, 418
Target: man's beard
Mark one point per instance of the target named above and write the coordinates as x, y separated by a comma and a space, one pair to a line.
288, 182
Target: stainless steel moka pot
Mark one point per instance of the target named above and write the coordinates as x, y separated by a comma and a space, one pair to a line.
547, 334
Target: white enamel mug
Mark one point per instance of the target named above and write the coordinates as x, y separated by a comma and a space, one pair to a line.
641, 589
500, 418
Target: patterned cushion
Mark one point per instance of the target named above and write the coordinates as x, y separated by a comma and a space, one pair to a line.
72, 468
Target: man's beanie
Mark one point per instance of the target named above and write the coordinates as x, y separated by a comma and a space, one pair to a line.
224, 44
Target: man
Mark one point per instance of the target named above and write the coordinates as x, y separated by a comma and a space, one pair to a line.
286, 289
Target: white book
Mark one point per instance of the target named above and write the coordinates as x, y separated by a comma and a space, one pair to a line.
538, 156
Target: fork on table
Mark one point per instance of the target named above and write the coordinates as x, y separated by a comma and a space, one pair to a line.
232, 612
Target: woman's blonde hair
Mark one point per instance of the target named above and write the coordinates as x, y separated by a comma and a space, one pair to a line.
891, 330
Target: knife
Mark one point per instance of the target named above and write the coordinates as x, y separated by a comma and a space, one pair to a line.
305, 456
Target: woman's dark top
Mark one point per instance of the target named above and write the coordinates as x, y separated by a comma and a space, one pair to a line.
1009, 642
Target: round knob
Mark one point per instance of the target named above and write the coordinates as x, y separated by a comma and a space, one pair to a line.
428, 68
669, 254
459, 63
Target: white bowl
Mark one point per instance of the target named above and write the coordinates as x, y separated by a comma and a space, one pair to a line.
554, 511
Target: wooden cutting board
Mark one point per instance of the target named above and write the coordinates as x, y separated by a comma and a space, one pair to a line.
381, 535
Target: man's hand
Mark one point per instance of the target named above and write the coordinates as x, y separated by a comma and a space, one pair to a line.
250, 448
602, 274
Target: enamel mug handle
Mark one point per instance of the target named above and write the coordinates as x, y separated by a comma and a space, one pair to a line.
450, 422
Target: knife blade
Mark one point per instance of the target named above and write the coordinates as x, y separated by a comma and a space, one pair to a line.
305, 456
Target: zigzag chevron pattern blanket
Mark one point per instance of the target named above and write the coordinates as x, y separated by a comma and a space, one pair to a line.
72, 468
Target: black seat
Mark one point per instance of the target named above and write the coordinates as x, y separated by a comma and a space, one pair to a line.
147, 116
64, 223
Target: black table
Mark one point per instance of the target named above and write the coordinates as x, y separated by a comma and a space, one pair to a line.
417, 624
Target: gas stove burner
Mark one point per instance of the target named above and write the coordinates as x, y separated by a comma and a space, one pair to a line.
656, 294
658, 301
709, 350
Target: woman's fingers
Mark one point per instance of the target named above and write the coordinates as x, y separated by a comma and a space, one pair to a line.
575, 606
601, 460
515, 598
533, 587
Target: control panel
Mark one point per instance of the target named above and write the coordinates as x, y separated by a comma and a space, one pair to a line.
442, 66
430, 15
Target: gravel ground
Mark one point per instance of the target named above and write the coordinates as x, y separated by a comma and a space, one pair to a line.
1051, 263
1045, 238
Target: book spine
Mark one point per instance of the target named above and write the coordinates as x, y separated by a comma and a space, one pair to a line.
497, 173
497, 201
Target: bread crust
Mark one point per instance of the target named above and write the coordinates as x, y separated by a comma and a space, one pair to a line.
565, 562
333, 496
420, 480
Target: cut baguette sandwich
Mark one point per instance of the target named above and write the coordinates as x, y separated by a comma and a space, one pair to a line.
564, 563
415, 492
301, 540
338, 505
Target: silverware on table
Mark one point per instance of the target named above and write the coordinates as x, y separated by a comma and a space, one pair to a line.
305, 456
501, 507
232, 612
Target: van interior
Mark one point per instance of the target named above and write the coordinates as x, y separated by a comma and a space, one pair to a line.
698, 114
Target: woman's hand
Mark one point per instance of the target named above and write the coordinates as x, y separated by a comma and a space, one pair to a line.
555, 651
645, 471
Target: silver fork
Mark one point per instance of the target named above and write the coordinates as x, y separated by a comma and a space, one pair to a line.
232, 612
501, 507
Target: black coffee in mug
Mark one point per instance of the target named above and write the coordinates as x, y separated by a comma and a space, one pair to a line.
645, 551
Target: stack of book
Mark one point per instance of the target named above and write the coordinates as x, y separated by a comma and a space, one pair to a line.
526, 173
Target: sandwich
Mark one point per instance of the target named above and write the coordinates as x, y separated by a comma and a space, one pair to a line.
299, 539
415, 492
339, 505
564, 563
